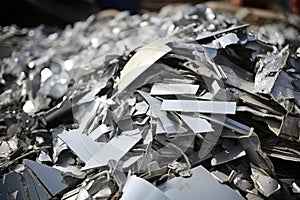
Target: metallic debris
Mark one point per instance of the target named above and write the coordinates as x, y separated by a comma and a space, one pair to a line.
216, 107
199, 185
137, 188
183, 103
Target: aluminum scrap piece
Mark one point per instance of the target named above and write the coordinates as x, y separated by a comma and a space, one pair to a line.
216, 107
54, 184
137, 188
197, 124
35, 188
173, 89
284, 91
220, 176
82, 145
99, 131
201, 185
14, 186
282, 154
228, 155
222, 42
141, 108
138, 64
115, 149
269, 70
212, 94
168, 125
296, 188
263, 183
217, 33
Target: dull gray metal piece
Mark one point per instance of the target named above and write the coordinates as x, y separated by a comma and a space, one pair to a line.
50, 177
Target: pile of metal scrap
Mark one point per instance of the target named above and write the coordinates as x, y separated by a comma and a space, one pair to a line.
180, 104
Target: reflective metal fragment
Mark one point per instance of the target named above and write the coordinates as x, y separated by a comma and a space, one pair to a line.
115, 149
173, 89
200, 184
82, 145
263, 183
197, 124
137, 188
138, 64
269, 70
217, 107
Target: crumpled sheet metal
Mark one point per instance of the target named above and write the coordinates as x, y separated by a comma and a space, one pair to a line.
176, 104
268, 71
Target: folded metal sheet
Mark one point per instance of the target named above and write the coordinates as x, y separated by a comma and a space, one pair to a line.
115, 149
169, 125
220, 176
285, 92
141, 61
86, 113
211, 95
282, 153
82, 145
141, 108
99, 131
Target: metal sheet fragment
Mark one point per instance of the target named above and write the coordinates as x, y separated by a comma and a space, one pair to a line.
217, 107
155, 105
198, 185
137, 188
227, 155
138, 64
82, 145
263, 183
35, 189
173, 89
197, 124
54, 184
269, 70
115, 149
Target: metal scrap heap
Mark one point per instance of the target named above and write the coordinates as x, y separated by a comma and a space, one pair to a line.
180, 104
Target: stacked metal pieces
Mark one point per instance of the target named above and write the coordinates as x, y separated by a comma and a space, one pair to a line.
180, 104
